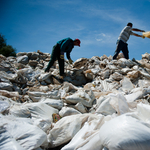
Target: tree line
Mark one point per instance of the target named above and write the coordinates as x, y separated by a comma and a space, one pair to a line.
6, 50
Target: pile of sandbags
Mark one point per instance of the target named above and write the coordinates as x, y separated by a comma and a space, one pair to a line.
102, 103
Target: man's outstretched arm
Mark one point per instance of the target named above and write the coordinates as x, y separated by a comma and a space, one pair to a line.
137, 35
135, 29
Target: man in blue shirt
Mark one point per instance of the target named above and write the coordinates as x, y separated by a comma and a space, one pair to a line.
123, 38
63, 46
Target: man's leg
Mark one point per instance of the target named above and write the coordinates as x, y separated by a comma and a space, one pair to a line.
52, 59
118, 49
61, 66
125, 51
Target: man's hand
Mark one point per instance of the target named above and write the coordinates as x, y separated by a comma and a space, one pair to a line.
70, 61
61, 56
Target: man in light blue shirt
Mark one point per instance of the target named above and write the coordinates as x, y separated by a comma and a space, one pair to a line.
123, 38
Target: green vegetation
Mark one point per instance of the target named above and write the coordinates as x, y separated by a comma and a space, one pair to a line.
6, 50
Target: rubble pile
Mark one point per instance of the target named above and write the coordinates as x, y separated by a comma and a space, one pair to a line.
102, 104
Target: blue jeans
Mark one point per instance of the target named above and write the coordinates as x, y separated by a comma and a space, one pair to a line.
121, 46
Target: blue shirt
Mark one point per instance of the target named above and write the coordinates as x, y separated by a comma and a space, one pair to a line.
66, 45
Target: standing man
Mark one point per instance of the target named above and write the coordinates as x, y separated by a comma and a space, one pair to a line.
123, 38
62, 46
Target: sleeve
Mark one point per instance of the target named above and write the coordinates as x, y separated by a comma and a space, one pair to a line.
70, 47
68, 55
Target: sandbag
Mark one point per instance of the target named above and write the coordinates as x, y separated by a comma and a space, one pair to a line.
67, 111
85, 134
143, 112
65, 129
126, 133
40, 110
20, 133
19, 110
3, 106
58, 104
81, 96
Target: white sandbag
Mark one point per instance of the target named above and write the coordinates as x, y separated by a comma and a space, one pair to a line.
95, 70
91, 143
146, 75
7, 141
125, 70
23, 59
136, 94
6, 86
67, 111
105, 74
58, 104
44, 88
38, 95
40, 110
19, 110
143, 111
44, 76
84, 134
44, 124
107, 86
116, 76
81, 96
126, 84
65, 129
3, 105
79, 106
9, 94
133, 74
89, 86
127, 62
105, 107
8, 100
5, 76
144, 83
118, 102
68, 87
23, 132
126, 133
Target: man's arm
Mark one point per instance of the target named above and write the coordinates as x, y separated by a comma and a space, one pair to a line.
137, 35
135, 29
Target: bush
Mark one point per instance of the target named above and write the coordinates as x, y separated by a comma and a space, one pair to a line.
6, 50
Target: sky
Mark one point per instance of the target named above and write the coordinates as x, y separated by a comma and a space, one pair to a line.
31, 25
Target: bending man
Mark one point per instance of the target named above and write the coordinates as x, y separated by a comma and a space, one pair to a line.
62, 46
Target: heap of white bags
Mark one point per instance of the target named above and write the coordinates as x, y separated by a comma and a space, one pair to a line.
103, 104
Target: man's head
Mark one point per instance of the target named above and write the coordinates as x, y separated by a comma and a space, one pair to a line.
130, 24
77, 42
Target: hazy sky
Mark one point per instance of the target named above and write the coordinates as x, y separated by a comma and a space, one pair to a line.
31, 25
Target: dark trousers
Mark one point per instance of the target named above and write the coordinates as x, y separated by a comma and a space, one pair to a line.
122, 46
55, 55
